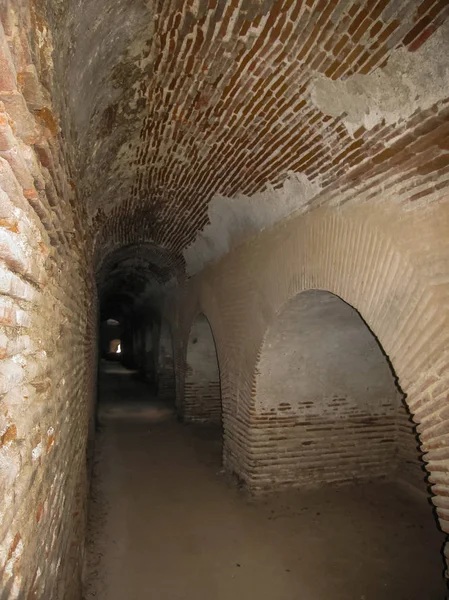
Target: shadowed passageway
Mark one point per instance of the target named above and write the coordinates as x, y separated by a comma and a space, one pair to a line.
241, 208
166, 523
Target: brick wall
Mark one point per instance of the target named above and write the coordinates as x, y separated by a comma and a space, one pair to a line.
326, 401
336, 112
47, 334
388, 261
202, 398
411, 467
215, 100
166, 368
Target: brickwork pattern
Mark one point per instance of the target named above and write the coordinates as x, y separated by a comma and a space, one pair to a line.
326, 401
225, 106
47, 333
411, 467
208, 98
202, 397
388, 263
166, 368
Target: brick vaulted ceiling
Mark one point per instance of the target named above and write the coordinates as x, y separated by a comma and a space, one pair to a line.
172, 103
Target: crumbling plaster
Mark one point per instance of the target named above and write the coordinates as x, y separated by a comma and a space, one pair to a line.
409, 81
155, 88
231, 220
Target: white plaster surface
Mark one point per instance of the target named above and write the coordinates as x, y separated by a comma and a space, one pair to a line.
409, 81
233, 219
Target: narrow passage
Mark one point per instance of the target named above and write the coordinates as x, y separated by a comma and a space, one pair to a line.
167, 524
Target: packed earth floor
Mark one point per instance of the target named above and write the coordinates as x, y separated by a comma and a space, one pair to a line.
166, 523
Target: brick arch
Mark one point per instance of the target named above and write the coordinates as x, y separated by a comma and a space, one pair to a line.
220, 317
327, 401
377, 260
371, 268
202, 389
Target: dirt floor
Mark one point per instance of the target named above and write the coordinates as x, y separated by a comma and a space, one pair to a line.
167, 524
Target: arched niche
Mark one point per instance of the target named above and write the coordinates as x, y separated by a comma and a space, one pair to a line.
327, 404
202, 396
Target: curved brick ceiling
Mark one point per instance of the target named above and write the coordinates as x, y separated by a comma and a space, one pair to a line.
172, 103
134, 275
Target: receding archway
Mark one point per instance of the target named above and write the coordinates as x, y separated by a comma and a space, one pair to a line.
115, 346
202, 396
328, 400
166, 381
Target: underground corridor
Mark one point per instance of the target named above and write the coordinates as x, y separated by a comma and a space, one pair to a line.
224, 299
350, 516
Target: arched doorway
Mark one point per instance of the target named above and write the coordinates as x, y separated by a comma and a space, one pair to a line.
327, 399
165, 365
115, 346
110, 339
202, 397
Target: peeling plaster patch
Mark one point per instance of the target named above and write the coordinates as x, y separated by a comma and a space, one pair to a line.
234, 219
37, 451
409, 81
